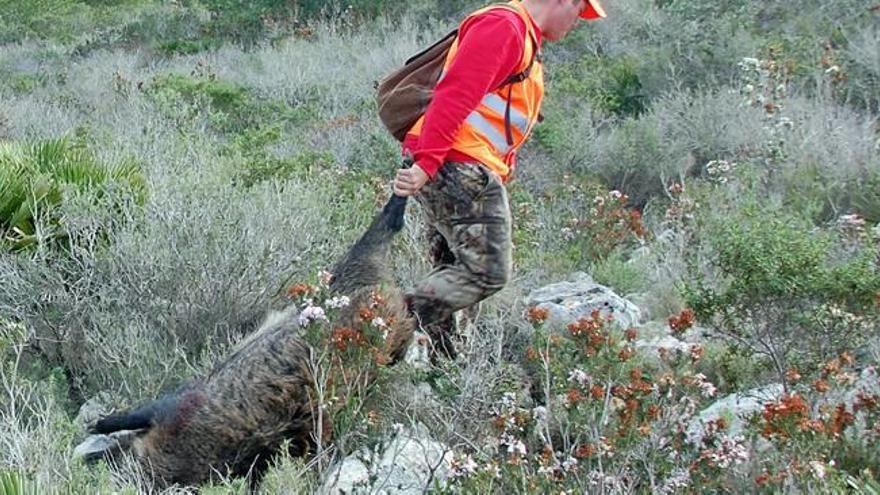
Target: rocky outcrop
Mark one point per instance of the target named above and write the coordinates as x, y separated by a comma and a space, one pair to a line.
408, 464
578, 297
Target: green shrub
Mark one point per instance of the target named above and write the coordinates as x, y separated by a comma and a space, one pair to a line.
610, 85
228, 107
784, 289
34, 179
264, 168
615, 271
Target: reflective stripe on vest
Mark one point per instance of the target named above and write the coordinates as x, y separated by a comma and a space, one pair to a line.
499, 105
496, 138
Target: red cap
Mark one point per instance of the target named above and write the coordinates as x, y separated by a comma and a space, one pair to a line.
593, 11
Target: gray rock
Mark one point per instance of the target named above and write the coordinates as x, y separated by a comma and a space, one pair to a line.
651, 347
867, 383
409, 463
653, 336
93, 410
576, 298
350, 476
419, 353
735, 407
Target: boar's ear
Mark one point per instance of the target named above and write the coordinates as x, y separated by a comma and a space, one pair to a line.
141, 418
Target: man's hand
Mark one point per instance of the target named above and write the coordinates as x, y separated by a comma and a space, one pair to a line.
409, 180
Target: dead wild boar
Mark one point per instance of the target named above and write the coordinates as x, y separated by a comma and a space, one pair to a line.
235, 419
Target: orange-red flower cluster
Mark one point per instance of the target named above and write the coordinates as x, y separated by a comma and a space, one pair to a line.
626, 354
585, 450
866, 402
344, 337
537, 315
299, 290
377, 300
586, 326
779, 416
532, 354
681, 322
366, 314
840, 420
635, 223
593, 331
767, 478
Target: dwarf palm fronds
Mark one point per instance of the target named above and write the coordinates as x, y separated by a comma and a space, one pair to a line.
34, 179
12, 483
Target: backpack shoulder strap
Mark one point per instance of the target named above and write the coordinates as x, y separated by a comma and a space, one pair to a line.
519, 76
439, 42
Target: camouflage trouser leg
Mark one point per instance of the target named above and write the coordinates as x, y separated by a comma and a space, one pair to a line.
469, 222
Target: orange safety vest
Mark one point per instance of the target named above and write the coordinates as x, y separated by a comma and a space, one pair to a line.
494, 131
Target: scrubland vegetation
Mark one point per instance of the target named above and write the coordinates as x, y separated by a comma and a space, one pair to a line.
169, 170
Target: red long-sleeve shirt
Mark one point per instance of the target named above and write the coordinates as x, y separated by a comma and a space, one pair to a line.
490, 50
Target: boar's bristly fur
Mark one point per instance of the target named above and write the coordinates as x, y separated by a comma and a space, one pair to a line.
260, 397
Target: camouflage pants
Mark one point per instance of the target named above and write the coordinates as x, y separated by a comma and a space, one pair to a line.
469, 231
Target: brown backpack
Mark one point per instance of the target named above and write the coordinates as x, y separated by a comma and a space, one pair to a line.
403, 96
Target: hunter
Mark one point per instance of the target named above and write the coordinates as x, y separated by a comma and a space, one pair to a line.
464, 147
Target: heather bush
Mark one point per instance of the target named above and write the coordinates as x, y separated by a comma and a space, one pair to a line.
598, 410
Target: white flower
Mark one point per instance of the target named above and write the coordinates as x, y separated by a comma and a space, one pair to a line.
379, 323
493, 469
818, 469
325, 277
749, 63
608, 482
464, 467
615, 194
579, 376
605, 448
310, 314
338, 302
540, 414
546, 470
569, 464
676, 482
785, 123
516, 447
854, 221
706, 387
731, 451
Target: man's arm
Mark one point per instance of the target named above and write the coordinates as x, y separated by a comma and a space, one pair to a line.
490, 50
